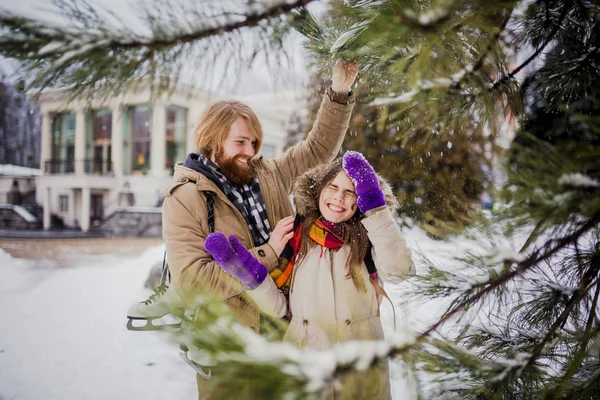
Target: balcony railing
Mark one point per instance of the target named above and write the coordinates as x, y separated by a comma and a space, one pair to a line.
59, 167
97, 167
90, 166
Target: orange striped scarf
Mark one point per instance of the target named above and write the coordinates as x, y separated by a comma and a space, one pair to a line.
323, 232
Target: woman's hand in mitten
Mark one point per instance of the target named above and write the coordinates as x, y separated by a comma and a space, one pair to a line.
365, 181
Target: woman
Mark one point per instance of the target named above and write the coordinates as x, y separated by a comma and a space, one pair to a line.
344, 221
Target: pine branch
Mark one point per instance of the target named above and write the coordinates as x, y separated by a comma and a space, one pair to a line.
91, 54
37, 30
454, 84
566, 8
479, 63
529, 263
427, 21
497, 345
587, 336
250, 20
560, 321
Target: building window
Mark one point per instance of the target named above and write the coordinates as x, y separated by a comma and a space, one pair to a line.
99, 142
175, 136
63, 203
63, 144
137, 137
267, 150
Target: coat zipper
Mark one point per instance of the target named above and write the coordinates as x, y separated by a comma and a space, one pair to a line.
270, 207
334, 294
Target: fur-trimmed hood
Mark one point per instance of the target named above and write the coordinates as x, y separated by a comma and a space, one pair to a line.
307, 201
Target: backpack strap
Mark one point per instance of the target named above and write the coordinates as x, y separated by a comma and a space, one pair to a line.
371, 268
210, 207
165, 275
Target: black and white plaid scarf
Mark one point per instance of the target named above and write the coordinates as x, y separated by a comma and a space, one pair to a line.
247, 199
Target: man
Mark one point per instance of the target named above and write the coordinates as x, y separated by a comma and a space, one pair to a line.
250, 192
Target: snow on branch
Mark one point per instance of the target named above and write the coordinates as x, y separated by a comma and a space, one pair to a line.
345, 38
424, 86
457, 367
214, 329
314, 368
578, 180
497, 255
508, 365
482, 270
428, 19
567, 291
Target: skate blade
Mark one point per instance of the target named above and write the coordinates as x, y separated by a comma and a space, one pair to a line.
150, 325
196, 367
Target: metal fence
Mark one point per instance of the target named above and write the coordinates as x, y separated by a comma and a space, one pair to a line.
91, 166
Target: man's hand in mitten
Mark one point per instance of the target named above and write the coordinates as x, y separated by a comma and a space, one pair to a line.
236, 260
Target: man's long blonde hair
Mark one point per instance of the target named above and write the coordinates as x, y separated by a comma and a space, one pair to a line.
213, 127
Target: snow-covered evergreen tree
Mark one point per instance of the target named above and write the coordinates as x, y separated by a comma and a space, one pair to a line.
519, 324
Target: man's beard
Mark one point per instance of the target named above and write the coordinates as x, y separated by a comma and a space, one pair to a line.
234, 172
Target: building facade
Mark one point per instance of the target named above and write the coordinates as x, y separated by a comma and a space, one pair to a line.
99, 156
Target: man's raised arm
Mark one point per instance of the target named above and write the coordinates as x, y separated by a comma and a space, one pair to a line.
328, 131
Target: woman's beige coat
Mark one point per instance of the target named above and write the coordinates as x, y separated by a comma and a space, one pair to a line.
326, 306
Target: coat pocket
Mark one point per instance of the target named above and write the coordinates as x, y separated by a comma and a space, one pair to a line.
366, 329
244, 310
305, 332
296, 333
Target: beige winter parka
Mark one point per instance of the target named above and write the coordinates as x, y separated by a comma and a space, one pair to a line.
185, 219
325, 305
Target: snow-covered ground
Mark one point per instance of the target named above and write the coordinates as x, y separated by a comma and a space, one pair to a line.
63, 335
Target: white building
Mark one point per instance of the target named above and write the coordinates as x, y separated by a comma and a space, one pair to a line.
101, 155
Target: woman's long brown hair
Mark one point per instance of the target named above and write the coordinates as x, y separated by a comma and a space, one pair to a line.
354, 233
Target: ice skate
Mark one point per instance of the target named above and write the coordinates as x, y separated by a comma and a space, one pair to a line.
155, 311
198, 360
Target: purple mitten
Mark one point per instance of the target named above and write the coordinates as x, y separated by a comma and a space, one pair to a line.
256, 272
237, 261
365, 180
217, 244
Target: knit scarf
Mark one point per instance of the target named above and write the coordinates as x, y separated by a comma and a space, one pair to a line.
323, 232
247, 199
327, 234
